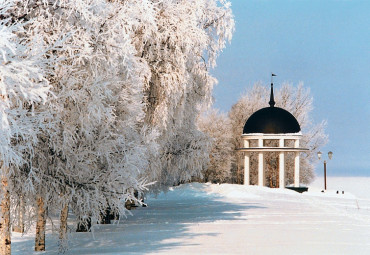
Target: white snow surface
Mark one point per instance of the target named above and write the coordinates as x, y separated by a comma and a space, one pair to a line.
233, 219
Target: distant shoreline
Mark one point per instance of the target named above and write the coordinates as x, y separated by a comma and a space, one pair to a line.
344, 175
362, 172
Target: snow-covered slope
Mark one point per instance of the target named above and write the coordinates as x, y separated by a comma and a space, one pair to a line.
230, 219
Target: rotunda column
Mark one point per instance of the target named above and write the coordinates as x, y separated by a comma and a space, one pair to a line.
246, 163
281, 165
296, 164
261, 176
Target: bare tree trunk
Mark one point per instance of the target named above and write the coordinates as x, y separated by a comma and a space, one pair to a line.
40, 225
278, 171
18, 226
271, 185
63, 228
5, 239
237, 168
153, 97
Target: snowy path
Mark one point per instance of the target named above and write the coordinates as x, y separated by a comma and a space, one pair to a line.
231, 219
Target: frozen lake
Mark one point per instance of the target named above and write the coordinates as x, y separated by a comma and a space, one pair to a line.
358, 186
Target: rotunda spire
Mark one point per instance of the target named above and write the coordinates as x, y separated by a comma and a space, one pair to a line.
272, 101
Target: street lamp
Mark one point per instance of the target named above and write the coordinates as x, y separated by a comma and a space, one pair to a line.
330, 155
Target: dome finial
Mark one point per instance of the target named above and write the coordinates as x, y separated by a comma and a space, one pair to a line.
272, 101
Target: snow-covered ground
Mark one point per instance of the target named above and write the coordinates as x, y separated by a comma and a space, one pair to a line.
234, 219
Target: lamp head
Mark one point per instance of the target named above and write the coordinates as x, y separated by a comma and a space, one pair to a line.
330, 154
319, 154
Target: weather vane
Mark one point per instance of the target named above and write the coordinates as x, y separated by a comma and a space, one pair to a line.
272, 75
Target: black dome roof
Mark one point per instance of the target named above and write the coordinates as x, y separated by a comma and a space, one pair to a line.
271, 120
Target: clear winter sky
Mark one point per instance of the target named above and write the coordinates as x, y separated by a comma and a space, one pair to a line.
325, 44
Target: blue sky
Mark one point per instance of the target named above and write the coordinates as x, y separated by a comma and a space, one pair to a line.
325, 44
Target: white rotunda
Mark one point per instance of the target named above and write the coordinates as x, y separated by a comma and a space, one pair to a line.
271, 123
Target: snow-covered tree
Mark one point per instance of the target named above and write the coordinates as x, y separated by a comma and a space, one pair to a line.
128, 80
93, 152
298, 101
217, 126
249, 103
23, 85
180, 51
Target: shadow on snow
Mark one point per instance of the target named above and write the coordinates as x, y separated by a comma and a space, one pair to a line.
168, 216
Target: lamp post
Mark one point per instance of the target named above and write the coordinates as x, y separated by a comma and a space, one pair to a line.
330, 155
